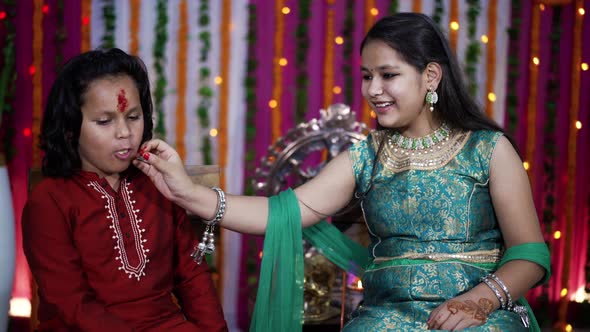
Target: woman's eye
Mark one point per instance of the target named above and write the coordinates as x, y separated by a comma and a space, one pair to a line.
134, 117
389, 76
367, 77
103, 122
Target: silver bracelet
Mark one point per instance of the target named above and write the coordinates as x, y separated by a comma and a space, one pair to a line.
504, 288
207, 244
220, 212
495, 290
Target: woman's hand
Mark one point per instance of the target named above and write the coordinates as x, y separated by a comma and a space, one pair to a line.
461, 312
163, 165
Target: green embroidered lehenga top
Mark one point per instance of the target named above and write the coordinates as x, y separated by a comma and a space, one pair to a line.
433, 229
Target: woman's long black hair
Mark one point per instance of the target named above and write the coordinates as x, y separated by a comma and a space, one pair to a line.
60, 129
419, 41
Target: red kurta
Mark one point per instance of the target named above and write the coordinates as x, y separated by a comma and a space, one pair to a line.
110, 260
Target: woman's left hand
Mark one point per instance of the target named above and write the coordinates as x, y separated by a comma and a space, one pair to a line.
460, 312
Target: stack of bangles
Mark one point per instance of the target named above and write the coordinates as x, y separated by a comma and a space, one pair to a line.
207, 244
506, 304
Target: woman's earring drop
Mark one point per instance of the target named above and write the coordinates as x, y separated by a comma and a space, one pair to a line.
431, 98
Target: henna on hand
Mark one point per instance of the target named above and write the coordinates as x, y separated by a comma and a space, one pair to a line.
479, 311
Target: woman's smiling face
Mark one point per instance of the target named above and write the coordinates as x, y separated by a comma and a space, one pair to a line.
394, 88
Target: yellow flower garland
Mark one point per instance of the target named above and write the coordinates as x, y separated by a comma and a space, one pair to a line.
135, 12
181, 60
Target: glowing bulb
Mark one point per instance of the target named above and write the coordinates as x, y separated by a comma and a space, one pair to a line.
336, 90
27, 132
526, 165
20, 307
568, 328
484, 39
492, 97
542, 7
374, 11
286, 10
213, 132
339, 40
273, 103
557, 235
536, 61
260, 254
581, 11
455, 25
584, 66
578, 124
373, 114
563, 292
218, 80
283, 62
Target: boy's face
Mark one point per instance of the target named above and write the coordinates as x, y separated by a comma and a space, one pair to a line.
112, 126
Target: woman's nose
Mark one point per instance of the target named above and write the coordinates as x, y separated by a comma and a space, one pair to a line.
375, 88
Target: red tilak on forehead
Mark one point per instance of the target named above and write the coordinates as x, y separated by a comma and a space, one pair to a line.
122, 101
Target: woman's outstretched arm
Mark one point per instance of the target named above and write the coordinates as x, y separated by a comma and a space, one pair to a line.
325, 194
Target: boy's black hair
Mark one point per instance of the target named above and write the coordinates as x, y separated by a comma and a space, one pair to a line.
60, 129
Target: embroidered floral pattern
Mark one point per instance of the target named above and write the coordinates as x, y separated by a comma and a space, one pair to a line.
132, 269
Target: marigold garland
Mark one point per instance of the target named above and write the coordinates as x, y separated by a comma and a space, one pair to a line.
181, 60
491, 55
533, 92
328, 79
277, 73
571, 158
161, 36
36, 70
134, 15
225, 29
417, 6
85, 15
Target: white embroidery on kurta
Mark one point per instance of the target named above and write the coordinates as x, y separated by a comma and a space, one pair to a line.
133, 271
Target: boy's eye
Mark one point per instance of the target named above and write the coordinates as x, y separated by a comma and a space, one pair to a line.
134, 117
103, 122
367, 77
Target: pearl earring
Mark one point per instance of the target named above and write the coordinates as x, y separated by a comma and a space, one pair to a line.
431, 98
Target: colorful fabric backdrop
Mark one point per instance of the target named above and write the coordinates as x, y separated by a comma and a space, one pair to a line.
229, 77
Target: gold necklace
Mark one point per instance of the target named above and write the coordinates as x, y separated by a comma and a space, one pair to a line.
421, 143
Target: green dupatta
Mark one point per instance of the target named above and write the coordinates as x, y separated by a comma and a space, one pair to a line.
279, 300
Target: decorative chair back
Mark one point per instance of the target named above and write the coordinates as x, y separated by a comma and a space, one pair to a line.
294, 159
289, 161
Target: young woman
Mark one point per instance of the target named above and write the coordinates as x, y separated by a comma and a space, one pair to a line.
107, 250
455, 239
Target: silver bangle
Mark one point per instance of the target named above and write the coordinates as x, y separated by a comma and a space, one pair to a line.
504, 288
495, 290
220, 211
207, 244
